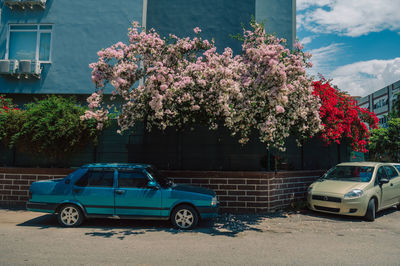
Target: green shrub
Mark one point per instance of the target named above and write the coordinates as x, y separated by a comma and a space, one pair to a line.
11, 121
50, 127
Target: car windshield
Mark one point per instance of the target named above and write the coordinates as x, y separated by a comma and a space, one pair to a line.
350, 173
397, 167
160, 178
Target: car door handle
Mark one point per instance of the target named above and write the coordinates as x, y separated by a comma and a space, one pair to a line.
119, 191
391, 184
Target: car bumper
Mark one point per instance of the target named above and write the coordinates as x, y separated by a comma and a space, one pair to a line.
352, 207
41, 206
208, 212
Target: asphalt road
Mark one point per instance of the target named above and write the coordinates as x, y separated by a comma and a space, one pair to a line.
306, 238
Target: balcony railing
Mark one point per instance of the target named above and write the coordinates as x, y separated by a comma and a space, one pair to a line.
23, 4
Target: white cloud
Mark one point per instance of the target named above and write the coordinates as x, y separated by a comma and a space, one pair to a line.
306, 40
324, 57
304, 4
364, 77
349, 17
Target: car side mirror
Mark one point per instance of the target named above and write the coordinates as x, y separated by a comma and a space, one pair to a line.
383, 180
152, 185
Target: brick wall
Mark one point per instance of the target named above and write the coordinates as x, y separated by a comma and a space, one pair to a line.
251, 192
238, 192
15, 182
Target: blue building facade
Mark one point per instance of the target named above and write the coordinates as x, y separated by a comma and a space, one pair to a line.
64, 36
46, 46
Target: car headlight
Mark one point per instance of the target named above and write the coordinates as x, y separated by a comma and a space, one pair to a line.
214, 201
355, 193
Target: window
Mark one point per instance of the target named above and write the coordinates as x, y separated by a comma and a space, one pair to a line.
97, 178
397, 167
381, 173
132, 179
29, 42
391, 173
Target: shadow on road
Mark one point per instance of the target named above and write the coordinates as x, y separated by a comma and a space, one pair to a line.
225, 225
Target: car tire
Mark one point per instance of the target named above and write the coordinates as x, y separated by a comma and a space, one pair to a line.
371, 211
70, 216
398, 206
184, 217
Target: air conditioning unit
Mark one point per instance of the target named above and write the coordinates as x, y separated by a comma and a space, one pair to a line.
8, 66
25, 3
13, 3
4, 66
25, 67
28, 68
36, 69
31, 3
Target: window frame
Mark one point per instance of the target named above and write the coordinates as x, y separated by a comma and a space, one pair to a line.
38, 32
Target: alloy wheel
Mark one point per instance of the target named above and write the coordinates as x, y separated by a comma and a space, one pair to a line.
69, 216
184, 218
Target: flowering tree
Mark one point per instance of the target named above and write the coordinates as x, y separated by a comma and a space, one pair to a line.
342, 118
278, 94
186, 82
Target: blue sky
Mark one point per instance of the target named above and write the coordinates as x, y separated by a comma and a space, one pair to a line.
354, 42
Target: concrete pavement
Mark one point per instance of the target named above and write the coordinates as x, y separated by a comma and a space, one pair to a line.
307, 238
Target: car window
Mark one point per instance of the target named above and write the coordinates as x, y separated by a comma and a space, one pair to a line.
132, 179
351, 173
95, 178
397, 167
381, 173
390, 171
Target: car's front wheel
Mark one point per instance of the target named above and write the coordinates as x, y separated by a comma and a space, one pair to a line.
70, 216
184, 217
371, 211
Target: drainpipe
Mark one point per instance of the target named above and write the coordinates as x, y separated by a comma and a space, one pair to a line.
144, 24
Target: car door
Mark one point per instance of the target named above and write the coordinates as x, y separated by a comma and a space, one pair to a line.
385, 188
396, 182
394, 185
133, 197
95, 191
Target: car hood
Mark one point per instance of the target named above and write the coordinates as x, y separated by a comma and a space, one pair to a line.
193, 189
336, 187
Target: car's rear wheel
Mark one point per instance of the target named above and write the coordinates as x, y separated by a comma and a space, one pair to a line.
371, 211
184, 217
70, 216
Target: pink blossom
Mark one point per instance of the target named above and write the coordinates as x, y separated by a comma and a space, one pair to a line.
197, 30
279, 109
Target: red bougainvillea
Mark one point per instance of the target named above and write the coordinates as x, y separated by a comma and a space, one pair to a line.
6, 105
342, 118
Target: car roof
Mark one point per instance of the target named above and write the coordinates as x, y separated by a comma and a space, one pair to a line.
373, 164
116, 165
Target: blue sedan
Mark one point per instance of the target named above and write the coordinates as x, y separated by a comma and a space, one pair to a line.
135, 191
